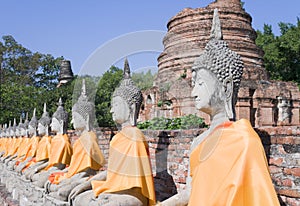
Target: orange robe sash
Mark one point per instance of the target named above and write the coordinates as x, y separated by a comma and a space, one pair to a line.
128, 165
61, 150
43, 150
230, 168
22, 149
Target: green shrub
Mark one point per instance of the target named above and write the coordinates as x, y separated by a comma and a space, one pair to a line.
190, 121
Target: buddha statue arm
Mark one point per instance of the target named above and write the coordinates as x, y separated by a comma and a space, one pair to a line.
40, 167
87, 185
10, 158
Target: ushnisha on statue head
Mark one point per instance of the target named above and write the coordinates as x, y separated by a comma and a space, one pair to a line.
59, 123
44, 122
83, 112
32, 125
224, 65
126, 100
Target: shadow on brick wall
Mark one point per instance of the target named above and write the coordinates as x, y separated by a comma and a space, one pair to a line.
164, 183
266, 141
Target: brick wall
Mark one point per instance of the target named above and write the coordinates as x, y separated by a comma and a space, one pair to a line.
169, 152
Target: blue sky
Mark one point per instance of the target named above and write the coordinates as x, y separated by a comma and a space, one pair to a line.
75, 29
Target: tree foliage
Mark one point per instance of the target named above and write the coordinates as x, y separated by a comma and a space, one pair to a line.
143, 80
27, 80
106, 86
282, 53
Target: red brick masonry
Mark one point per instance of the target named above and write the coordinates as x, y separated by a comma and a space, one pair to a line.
169, 152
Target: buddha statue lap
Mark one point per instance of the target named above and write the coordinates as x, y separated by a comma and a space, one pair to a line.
128, 179
222, 156
87, 157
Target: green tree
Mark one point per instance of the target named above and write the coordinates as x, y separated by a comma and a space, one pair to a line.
27, 80
143, 80
107, 84
281, 53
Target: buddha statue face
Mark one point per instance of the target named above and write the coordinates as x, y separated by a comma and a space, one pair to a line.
17, 131
55, 125
79, 123
22, 132
206, 88
31, 130
41, 129
120, 110
12, 132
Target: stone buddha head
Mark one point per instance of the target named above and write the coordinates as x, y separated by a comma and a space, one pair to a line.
3, 131
59, 123
44, 122
83, 112
18, 129
32, 125
13, 129
24, 127
216, 75
126, 100
7, 131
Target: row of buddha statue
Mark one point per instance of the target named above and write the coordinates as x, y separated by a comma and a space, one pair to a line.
227, 161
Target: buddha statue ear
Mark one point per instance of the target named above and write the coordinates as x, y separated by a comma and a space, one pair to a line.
133, 116
228, 91
47, 130
61, 122
87, 125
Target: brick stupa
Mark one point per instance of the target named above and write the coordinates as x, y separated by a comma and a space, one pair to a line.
262, 101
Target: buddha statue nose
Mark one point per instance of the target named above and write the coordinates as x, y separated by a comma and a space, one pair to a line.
66, 73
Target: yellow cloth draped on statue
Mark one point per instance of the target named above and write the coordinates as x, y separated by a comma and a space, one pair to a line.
23, 146
34, 141
230, 168
12, 146
86, 154
61, 150
43, 149
15, 146
128, 165
8, 144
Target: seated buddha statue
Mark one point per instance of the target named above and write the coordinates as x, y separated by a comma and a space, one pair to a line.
31, 148
227, 164
60, 149
87, 157
43, 148
128, 179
